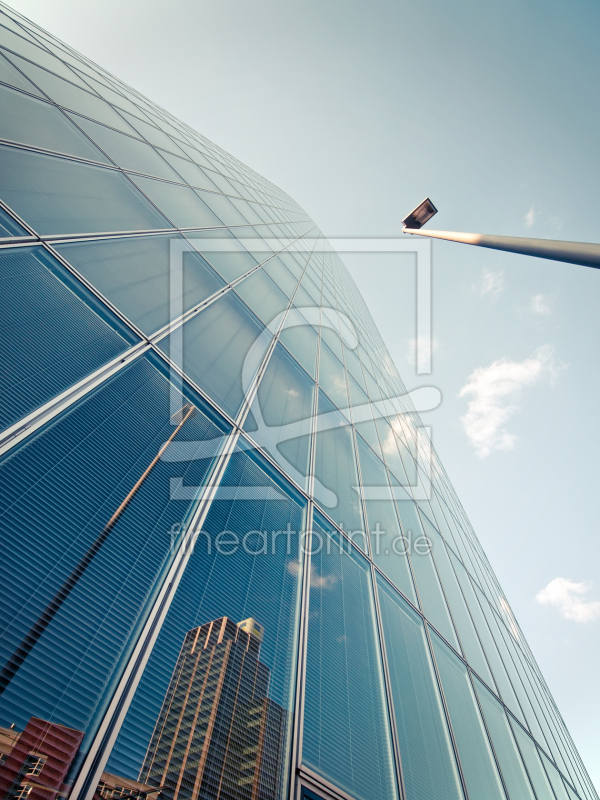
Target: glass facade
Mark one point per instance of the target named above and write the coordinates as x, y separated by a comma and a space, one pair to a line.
199, 597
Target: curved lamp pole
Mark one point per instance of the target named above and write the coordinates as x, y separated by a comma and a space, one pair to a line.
586, 254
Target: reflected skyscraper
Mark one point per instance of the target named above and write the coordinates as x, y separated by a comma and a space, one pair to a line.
218, 734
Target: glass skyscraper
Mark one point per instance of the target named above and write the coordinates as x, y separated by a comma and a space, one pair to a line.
227, 570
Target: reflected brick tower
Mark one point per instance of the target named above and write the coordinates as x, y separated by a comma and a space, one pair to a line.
218, 735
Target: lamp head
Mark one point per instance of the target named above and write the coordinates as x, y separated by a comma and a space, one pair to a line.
420, 215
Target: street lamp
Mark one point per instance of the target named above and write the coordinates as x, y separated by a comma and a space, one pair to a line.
586, 254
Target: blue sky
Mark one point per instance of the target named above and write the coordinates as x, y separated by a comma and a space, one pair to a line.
358, 110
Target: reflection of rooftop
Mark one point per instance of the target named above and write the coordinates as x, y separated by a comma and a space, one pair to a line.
112, 787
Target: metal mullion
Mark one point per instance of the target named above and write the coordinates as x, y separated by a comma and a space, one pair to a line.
446, 711
34, 148
8, 210
93, 290
174, 324
388, 689
489, 737
10, 437
321, 785
303, 648
298, 726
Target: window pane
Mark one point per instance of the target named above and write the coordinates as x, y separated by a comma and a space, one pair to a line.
281, 275
134, 275
58, 196
54, 332
263, 296
178, 203
224, 253
30, 121
428, 765
430, 592
218, 688
332, 377
388, 546
68, 631
301, 341
127, 152
9, 226
190, 173
533, 763
511, 766
281, 416
72, 97
216, 345
150, 133
12, 76
346, 730
456, 602
555, 779
479, 768
336, 479
222, 208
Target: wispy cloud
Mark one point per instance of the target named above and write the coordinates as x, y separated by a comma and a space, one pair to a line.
530, 217
567, 597
420, 349
316, 581
493, 392
492, 282
540, 304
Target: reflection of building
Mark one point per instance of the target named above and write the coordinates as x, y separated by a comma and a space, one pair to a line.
113, 787
218, 734
34, 763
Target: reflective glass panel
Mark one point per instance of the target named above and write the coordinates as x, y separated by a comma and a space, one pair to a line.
54, 332
9, 226
135, 275
29, 121
532, 760
218, 347
428, 765
479, 767
179, 203
336, 478
263, 296
509, 759
281, 414
58, 196
125, 151
72, 97
346, 730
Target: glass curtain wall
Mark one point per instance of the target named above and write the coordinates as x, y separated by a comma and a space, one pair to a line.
221, 577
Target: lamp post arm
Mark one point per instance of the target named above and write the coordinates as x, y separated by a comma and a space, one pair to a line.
584, 253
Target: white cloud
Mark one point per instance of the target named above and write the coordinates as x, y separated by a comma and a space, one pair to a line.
567, 596
492, 283
540, 304
530, 217
316, 581
426, 347
493, 391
